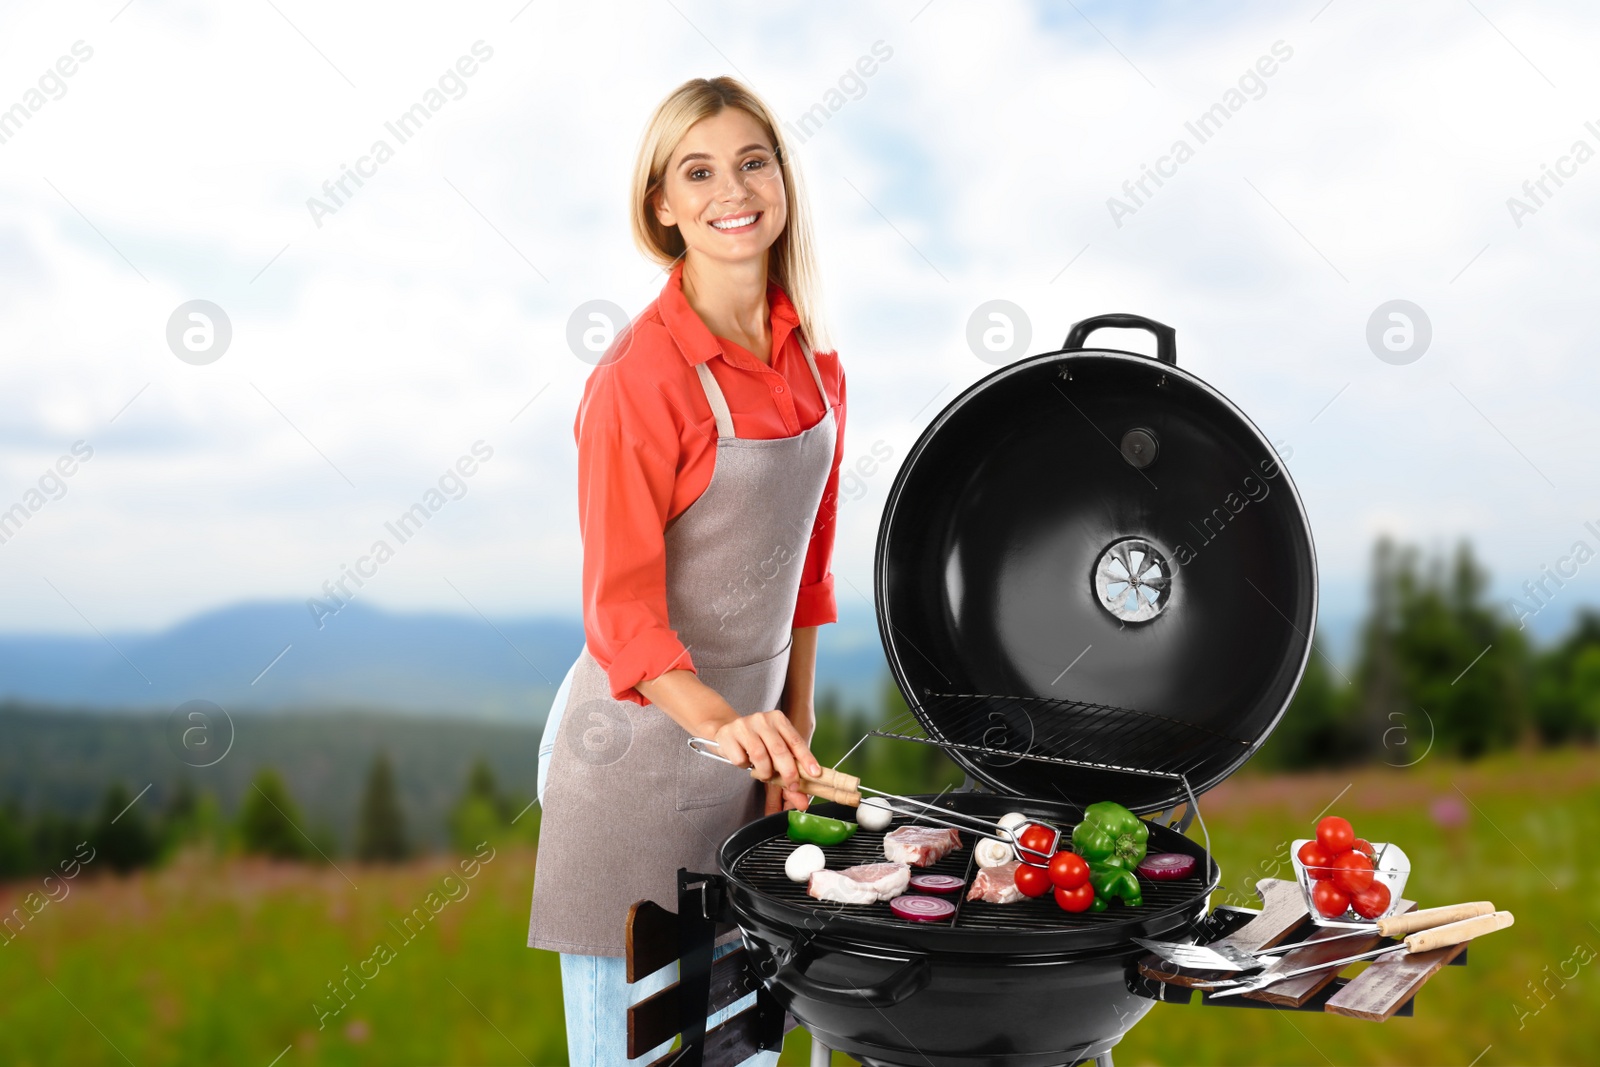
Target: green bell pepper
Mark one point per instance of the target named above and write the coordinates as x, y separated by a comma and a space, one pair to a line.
818, 829
1111, 834
1114, 883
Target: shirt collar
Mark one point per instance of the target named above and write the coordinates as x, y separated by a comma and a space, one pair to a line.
695, 340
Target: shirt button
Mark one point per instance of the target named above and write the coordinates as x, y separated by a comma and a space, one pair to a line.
777, 388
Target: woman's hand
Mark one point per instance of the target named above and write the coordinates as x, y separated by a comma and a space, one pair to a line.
781, 799
803, 717
769, 743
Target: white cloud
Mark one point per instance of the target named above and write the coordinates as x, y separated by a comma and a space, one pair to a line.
407, 326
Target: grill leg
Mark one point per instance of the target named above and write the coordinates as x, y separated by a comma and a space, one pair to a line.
821, 1055
1103, 1060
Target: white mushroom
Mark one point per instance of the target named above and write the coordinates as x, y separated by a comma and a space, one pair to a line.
803, 862
874, 814
991, 853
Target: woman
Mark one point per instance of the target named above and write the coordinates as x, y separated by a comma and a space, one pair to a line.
709, 441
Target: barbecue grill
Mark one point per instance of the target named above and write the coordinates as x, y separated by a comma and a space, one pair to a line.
1094, 581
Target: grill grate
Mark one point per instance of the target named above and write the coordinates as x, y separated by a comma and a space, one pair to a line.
761, 868
1051, 730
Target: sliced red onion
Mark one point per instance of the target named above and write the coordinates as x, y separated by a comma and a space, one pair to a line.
937, 883
1167, 866
921, 909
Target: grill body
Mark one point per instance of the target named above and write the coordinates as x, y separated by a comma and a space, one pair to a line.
1021, 985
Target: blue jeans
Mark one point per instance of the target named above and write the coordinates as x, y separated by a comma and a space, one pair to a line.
594, 989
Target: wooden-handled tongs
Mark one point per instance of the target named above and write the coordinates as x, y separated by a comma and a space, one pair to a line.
847, 789
831, 785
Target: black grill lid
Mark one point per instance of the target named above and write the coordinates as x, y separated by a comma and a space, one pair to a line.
1093, 556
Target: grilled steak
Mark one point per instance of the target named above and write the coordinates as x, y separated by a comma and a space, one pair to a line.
866, 884
920, 846
997, 885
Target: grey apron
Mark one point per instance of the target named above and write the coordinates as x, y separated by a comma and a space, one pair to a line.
627, 803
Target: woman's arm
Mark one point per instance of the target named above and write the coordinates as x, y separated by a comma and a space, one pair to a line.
799, 688
766, 741
799, 705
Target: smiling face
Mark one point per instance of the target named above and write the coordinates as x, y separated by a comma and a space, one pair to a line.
723, 188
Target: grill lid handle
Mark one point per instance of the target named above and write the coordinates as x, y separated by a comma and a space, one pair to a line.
905, 982
1166, 336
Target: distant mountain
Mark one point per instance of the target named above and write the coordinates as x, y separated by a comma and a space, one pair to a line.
269, 655
62, 761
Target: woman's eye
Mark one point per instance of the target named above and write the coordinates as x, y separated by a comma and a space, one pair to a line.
694, 175
756, 164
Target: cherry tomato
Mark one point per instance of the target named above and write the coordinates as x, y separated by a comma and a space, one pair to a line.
1363, 845
1328, 898
1336, 834
1315, 859
1034, 881
1372, 901
1068, 870
1075, 900
1037, 838
1352, 872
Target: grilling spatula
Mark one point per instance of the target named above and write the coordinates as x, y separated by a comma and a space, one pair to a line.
1225, 957
1424, 941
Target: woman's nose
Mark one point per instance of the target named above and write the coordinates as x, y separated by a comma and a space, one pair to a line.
737, 186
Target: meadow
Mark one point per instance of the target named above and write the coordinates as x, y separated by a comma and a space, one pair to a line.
212, 960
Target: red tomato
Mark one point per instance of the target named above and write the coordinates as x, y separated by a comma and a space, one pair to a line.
1328, 898
1315, 859
1352, 872
1336, 834
1363, 845
1034, 881
1068, 870
1074, 900
1372, 901
1037, 838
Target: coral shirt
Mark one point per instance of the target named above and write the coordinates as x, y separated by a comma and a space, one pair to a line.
646, 449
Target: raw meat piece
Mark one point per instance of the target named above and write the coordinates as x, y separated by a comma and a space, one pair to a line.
997, 885
866, 884
920, 846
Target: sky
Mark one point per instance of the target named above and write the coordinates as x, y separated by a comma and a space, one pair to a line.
378, 338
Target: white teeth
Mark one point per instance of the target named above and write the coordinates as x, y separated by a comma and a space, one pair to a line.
733, 224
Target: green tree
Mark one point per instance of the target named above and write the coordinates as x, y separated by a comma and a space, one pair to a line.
269, 821
1433, 650
121, 834
16, 852
381, 829
1566, 685
482, 813
56, 838
1318, 727
178, 816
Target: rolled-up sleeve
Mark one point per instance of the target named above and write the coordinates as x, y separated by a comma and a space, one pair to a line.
625, 481
816, 603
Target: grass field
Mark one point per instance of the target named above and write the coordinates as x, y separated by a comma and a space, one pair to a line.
211, 962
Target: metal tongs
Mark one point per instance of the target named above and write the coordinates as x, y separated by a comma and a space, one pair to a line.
1422, 941
1225, 957
846, 789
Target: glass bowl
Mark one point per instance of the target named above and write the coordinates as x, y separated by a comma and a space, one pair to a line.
1390, 866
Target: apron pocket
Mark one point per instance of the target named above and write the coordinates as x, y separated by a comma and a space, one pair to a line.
705, 783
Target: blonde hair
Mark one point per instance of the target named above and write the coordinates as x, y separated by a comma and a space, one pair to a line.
791, 262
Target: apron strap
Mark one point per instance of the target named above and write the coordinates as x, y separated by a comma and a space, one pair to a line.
815, 374
719, 403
